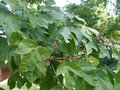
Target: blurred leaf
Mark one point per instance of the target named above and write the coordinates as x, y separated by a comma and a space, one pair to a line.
103, 53
80, 84
42, 20
95, 60
50, 2
13, 24
65, 32
88, 49
3, 50
26, 46
15, 39
89, 46
77, 33
12, 81
17, 4
28, 85
69, 48
79, 19
117, 87
3, 13
117, 77
56, 88
33, 65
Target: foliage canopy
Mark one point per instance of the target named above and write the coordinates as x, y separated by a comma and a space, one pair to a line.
55, 49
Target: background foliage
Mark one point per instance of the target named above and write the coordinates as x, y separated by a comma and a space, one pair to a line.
99, 13
57, 49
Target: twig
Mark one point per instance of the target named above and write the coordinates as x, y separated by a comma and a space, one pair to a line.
101, 31
56, 75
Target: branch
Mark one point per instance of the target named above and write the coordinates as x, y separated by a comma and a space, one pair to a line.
56, 75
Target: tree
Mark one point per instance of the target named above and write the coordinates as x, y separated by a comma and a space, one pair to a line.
94, 12
54, 49
98, 16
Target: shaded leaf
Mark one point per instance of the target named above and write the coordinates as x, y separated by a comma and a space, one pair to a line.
3, 13
13, 24
77, 33
12, 81
42, 20
69, 48
117, 77
3, 50
28, 85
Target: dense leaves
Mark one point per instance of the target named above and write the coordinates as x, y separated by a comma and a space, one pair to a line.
55, 49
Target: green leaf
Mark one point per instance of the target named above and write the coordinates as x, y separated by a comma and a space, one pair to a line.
50, 2
117, 87
16, 4
44, 51
87, 73
12, 81
50, 77
33, 75
17, 59
56, 13
93, 77
88, 49
3, 13
86, 34
111, 75
14, 39
32, 62
103, 53
118, 66
28, 62
26, 46
69, 48
42, 20
19, 82
95, 60
64, 69
65, 32
117, 77
93, 30
103, 84
89, 46
80, 83
39, 34
79, 19
11, 62
3, 50
55, 33
77, 33
93, 46
58, 87
13, 24
28, 85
